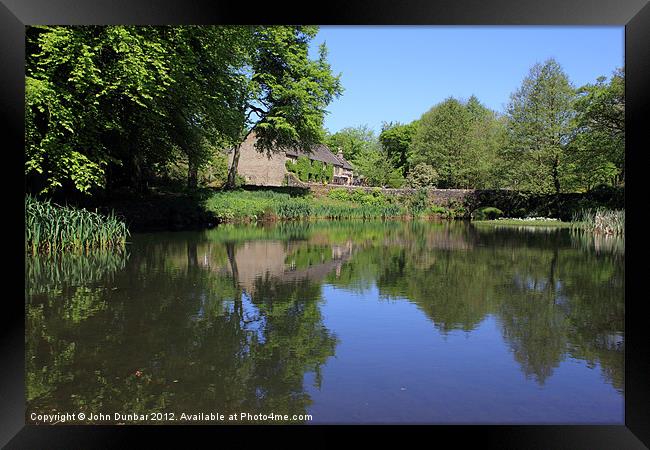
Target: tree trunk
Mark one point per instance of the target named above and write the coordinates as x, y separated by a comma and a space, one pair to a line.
192, 174
556, 175
232, 172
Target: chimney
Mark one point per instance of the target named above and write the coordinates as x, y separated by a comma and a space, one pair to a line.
339, 153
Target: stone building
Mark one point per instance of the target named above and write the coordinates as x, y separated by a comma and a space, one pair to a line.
260, 169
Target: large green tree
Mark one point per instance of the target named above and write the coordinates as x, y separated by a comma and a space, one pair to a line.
539, 123
598, 144
459, 140
395, 139
87, 90
352, 141
287, 92
111, 105
376, 169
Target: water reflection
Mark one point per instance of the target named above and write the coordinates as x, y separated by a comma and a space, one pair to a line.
231, 319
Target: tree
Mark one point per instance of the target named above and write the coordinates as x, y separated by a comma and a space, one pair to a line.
352, 141
395, 139
206, 68
598, 143
377, 170
87, 89
459, 141
287, 93
111, 105
422, 175
538, 128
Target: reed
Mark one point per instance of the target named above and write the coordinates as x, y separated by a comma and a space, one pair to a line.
50, 228
600, 221
253, 206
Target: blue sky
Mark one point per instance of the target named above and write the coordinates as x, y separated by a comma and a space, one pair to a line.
396, 73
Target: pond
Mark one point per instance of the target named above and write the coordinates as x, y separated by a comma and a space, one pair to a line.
348, 322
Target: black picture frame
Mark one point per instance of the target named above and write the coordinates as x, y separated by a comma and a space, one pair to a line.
633, 14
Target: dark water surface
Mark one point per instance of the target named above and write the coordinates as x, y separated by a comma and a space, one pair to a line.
363, 322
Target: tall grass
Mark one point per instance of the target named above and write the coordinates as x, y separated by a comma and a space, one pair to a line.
338, 212
253, 206
600, 221
50, 228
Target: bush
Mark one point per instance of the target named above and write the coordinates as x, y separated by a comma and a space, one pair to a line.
439, 211
417, 202
291, 166
487, 213
422, 175
317, 171
339, 194
215, 172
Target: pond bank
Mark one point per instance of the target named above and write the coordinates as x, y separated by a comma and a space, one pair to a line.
174, 209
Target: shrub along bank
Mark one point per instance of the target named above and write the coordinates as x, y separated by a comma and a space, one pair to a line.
179, 209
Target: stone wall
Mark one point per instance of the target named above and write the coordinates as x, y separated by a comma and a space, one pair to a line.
512, 203
437, 196
258, 168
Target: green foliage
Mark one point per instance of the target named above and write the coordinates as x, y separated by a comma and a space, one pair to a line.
308, 170
303, 168
287, 91
317, 171
418, 202
352, 141
395, 139
540, 115
214, 172
296, 209
422, 175
241, 205
377, 170
364, 211
50, 228
459, 141
597, 149
291, 166
487, 213
339, 194
108, 105
437, 210
329, 173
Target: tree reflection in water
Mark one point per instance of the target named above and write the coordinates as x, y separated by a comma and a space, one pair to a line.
229, 320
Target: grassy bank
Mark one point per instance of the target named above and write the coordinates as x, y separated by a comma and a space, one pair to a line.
597, 221
50, 228
269, 205
524, 223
